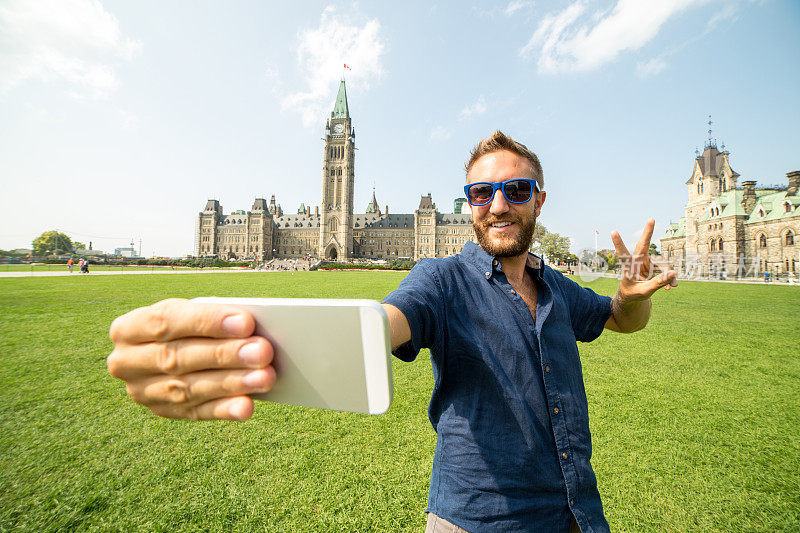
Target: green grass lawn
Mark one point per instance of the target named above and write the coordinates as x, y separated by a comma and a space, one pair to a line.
695, 420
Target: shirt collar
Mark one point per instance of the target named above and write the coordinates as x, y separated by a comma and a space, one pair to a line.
488, 265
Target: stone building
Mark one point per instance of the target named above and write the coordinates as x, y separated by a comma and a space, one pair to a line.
333, 231
731, 229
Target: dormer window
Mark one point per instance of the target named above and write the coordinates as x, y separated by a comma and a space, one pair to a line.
761, 213
787, 207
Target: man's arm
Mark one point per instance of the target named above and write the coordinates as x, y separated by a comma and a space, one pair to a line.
399, 330
630, 307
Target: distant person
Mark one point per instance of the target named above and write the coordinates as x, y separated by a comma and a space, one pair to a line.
86, 266
70, 265
80, 265
509, 405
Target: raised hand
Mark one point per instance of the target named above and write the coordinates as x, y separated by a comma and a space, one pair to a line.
188, 360
638, 281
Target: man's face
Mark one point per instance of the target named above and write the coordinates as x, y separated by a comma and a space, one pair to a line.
504, 229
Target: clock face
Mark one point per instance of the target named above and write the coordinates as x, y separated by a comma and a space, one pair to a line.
338, 129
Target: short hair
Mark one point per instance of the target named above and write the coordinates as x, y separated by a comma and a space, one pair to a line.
499, 141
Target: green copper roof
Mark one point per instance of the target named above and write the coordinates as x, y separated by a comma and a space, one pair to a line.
340, 107
676, 230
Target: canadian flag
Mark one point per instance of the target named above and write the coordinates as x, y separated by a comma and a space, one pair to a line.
348, 68
597, 231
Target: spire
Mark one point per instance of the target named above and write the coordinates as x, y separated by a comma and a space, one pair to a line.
340, 109
372, 207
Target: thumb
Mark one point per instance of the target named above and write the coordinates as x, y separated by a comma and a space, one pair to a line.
668, 279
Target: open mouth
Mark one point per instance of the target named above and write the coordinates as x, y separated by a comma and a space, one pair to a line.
500, 226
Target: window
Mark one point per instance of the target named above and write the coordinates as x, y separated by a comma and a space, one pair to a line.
787, 207
713, 245
789, 238
762, 241
719, 244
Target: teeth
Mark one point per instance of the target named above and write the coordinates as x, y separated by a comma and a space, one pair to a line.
501, 224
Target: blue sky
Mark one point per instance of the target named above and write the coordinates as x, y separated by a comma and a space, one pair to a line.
120, 119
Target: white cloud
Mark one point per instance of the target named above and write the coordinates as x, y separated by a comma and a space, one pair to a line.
321, 54
128, 120
439, 134
71, 41
515, 5
478, 108
574, 40
651, 68
729, 12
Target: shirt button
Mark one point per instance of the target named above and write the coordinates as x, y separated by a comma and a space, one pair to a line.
547, 368
555, 410
494, 262
571, 503
512, 291
488, 274
564, 455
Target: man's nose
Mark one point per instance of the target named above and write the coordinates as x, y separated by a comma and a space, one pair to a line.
499, 204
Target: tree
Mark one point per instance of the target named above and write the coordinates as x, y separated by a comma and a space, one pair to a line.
555, 247
76, 245
52, 243
538, 233
611, 260
653, 250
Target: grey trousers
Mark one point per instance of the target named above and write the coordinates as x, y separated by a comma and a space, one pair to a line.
440, 525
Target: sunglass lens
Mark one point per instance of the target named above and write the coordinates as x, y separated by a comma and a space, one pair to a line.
480, 193
518, 191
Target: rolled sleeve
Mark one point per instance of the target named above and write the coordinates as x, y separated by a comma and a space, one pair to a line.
589, 311
419, 297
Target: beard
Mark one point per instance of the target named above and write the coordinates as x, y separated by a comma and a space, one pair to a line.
504, 246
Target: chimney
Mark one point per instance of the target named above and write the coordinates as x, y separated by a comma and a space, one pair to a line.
316, 210
794, 182
749, 197
387, 209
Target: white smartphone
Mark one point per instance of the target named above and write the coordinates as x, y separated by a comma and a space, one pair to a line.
330, 354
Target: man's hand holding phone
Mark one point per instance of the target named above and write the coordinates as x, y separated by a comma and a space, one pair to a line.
191, 360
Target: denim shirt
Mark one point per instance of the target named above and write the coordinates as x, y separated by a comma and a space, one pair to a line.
509, 406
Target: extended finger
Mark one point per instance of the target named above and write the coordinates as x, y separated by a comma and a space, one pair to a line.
643, 246
619, 246
236, 408
191, 390
176, 318
183, 356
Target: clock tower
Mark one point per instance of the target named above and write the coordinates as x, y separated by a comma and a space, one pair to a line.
338, 173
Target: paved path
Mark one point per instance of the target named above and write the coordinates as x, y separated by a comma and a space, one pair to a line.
34, 274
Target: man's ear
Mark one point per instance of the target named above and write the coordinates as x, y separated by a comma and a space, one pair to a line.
540, 201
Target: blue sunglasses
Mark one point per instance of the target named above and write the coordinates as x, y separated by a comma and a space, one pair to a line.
516, 191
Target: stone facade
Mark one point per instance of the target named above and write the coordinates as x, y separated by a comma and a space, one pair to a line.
333, 231
734, 230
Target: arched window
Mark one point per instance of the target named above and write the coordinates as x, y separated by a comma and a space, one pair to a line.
789, 238
719, 244
669, 252
762, 241
713, 245
787, 207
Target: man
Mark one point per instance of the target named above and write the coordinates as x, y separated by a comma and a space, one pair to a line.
509, 406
